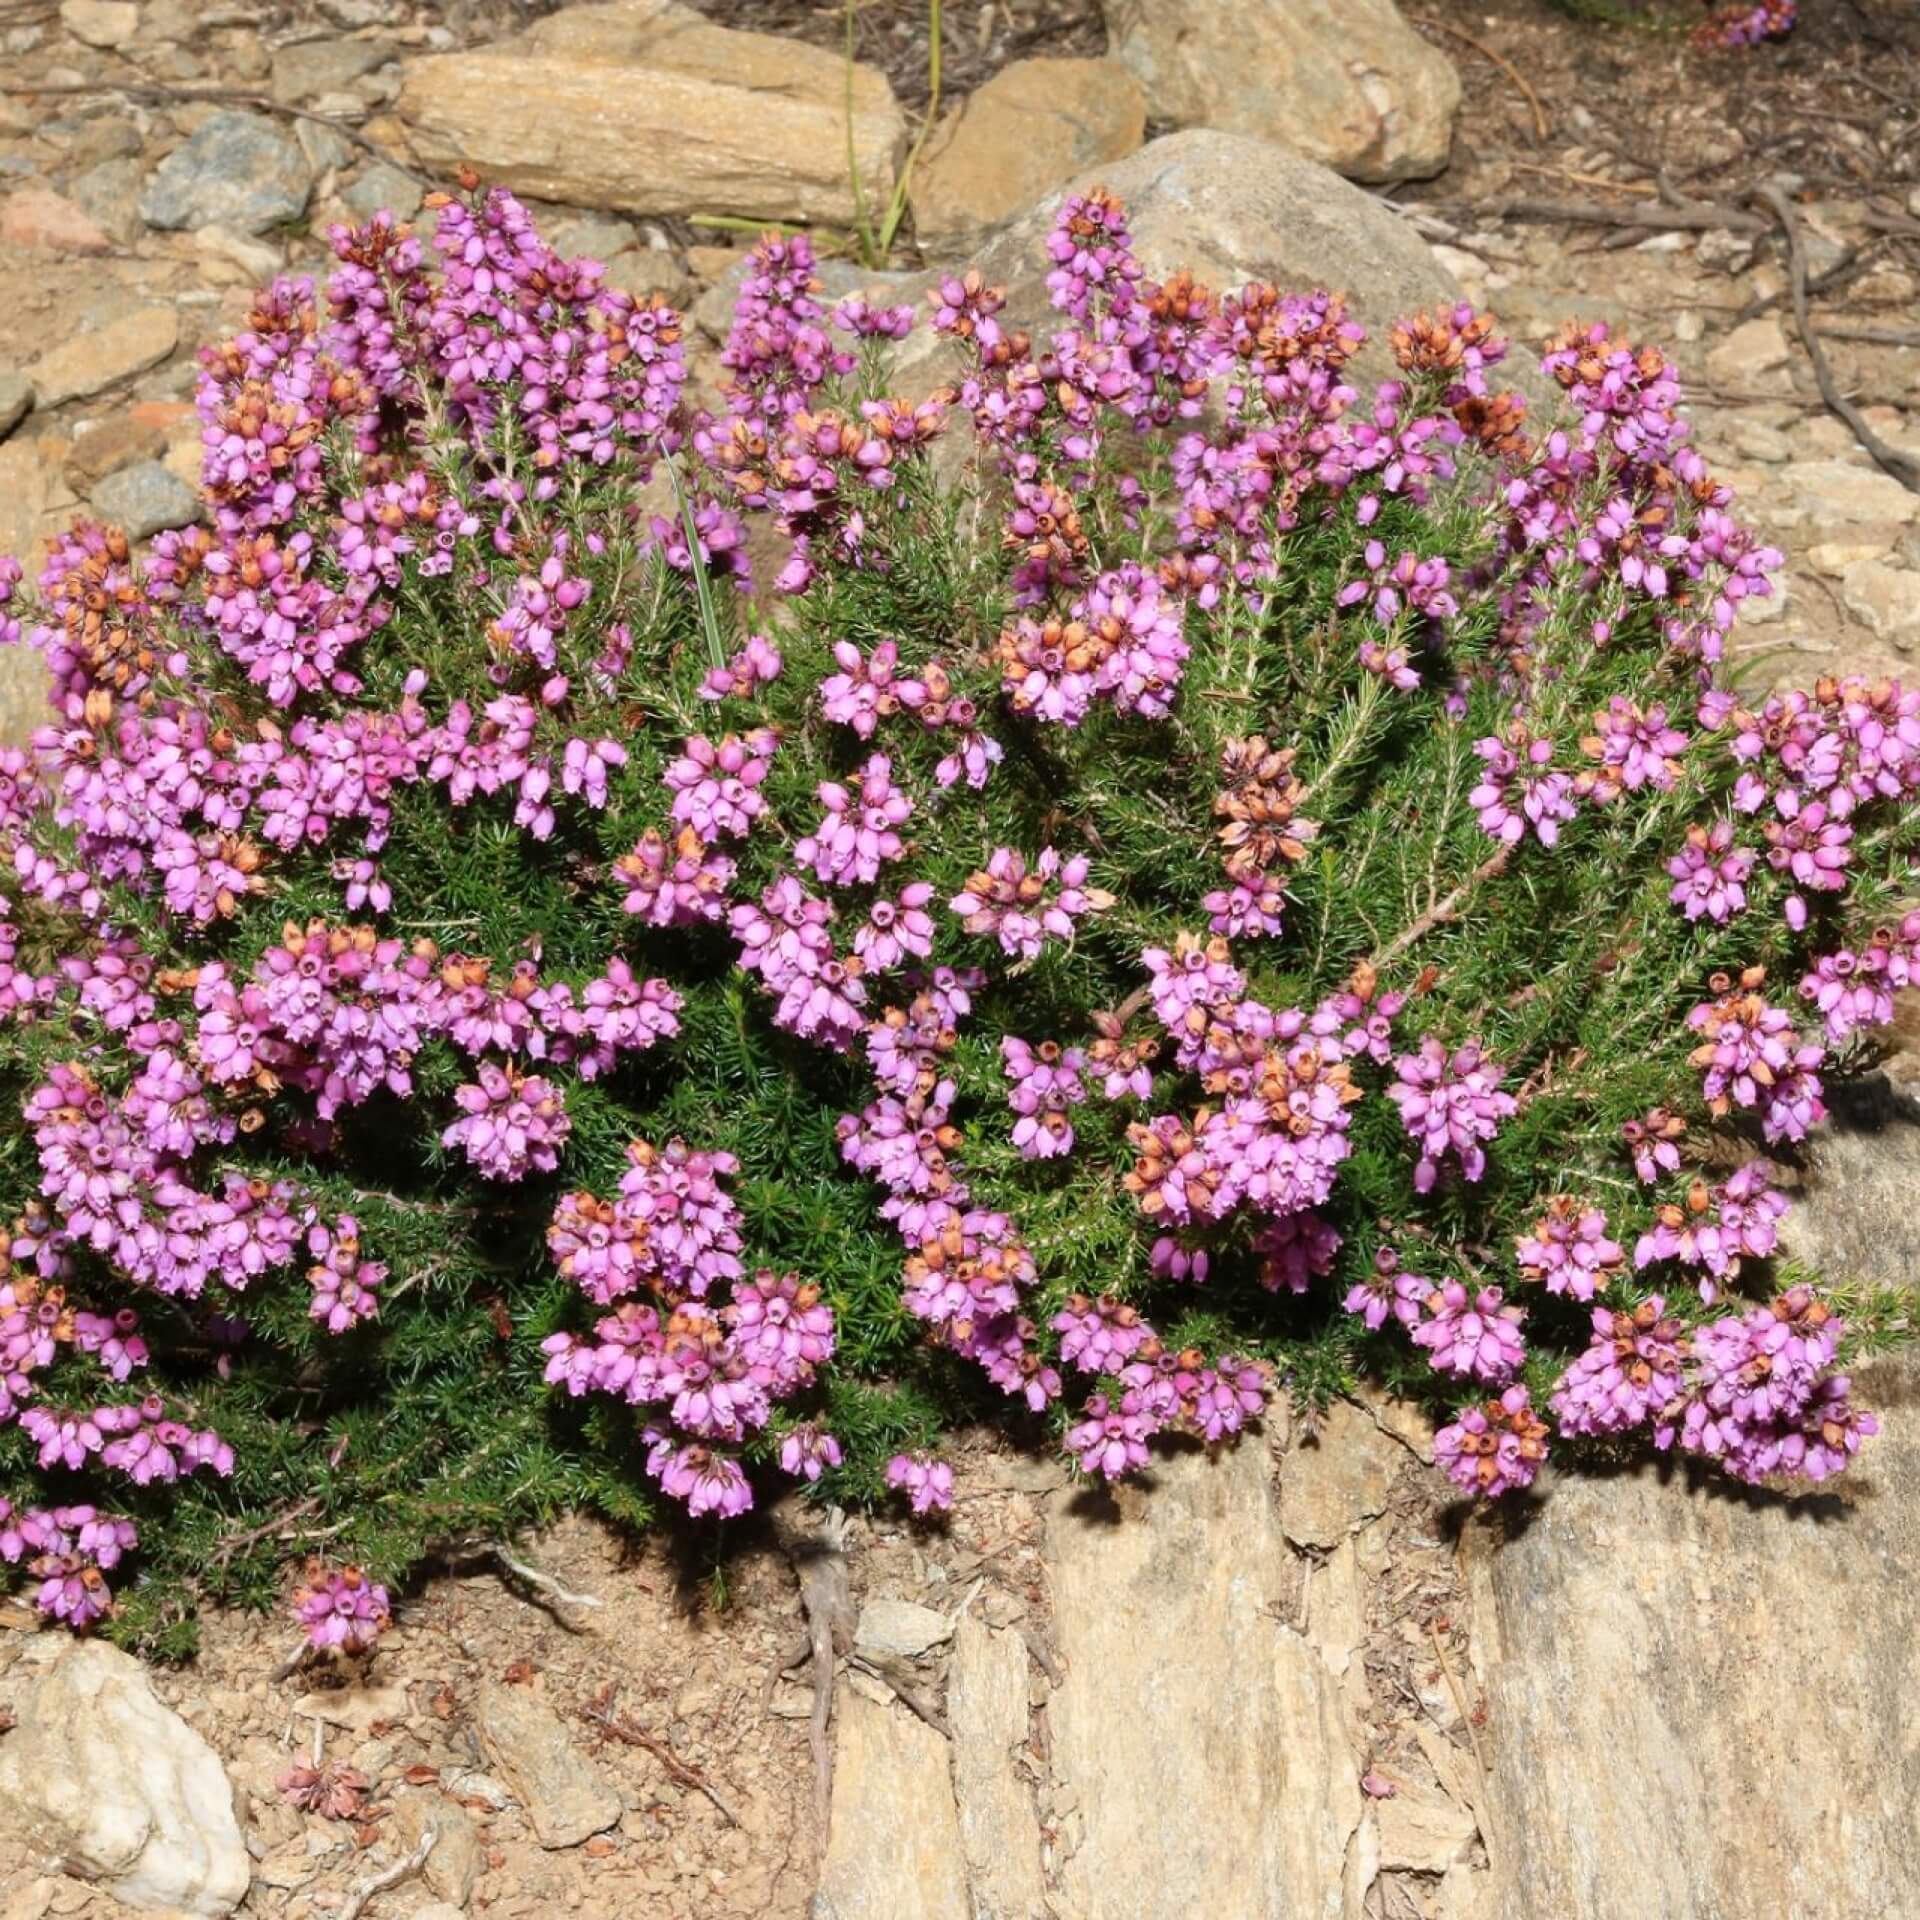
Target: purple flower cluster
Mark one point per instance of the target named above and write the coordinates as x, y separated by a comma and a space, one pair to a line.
1158, 1390
1765, 1402
1632, 1375
1044, 1086
1717, 1227
342, 1610
716, 789
1522, 792
1710, 874
1493, 1448
711, 1353
1751, 1056
1388, 1292
860, 832
1121, 642
509, 1123
926, 1482
1023, 907
1746, 23
1450, 1103
787, 940
1471, 1334
1633, 747
1568, 1250
69, 1551
344, 1283
1854, 990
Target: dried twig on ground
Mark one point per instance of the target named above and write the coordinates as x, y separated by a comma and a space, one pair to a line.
1694, 217
1848, 267
826, 1596
562, 1597
1637, 187
1869, 336
907, 1687
1540, 123
387, 1877
1044, 1656
1889, 459
599, 1712
1460, 1702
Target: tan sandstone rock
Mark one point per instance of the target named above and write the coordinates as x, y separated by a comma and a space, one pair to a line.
1734, 1666
1824, 494
1248, 1789
1700, 1697
1885, 600
105, 24
89, 363
1035, 124
565, 1797
643, 106
1345, 82
893, 1847
1339, 1479
987, 1707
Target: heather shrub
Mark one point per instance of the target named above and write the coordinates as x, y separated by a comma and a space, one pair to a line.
572, 949
1728, 23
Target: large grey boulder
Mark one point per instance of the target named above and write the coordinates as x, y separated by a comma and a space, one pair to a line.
1232, 209
103, 1780
1345, 82
240, 170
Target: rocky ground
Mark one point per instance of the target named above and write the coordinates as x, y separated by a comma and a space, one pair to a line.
1289, 1682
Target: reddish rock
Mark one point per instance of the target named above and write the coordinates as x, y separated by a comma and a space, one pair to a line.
40, 218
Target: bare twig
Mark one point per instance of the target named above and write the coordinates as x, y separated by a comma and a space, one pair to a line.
239, 1542
1848, 267
387, 1877
1442, 911
599, 1711
1695, 217
1044, 1656
826, 1597
1869, 336
906, 1687
1460, 1701
1888, 459
1506, 66
564, 1597
1637, 187
150, 94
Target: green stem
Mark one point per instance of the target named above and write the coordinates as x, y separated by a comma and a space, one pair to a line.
862, 227
702, 586
897, 209
1350, 740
